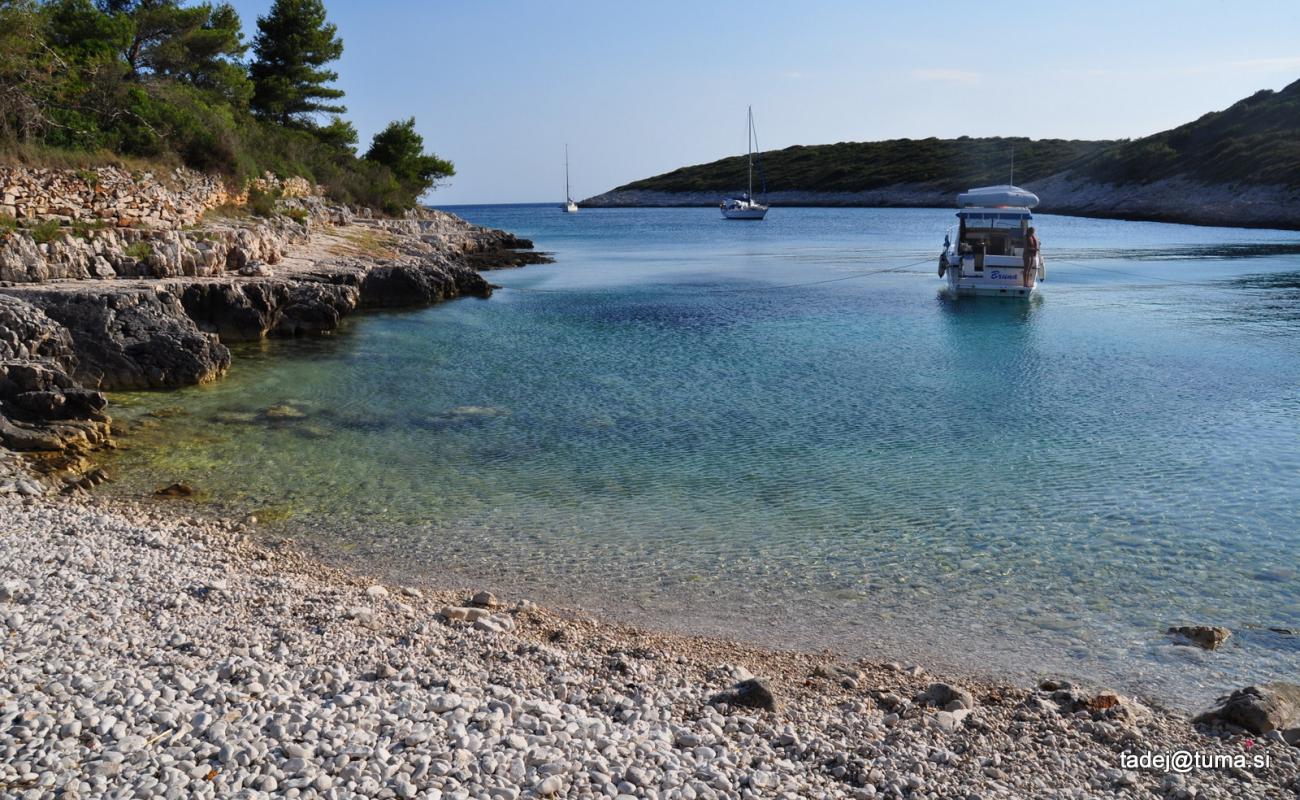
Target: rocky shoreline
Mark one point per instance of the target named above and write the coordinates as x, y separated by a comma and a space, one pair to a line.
152, 653
1177, 200
95, 309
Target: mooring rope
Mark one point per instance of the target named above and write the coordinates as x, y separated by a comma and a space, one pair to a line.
868, 273
1139, 276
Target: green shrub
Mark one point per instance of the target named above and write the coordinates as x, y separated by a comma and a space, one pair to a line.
297, 214
83, 228
45, 232
7, 224
262, 202
139, 250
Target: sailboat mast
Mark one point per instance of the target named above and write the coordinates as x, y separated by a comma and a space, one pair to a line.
749, 144
566, 173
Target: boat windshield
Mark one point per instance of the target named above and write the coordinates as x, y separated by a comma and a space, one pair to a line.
993, 233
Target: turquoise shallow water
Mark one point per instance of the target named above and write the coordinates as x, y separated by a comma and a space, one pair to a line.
723, 427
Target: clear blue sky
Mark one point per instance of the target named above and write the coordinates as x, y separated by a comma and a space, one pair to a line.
640, 89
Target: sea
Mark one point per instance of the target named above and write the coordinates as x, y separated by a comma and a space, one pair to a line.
787, 432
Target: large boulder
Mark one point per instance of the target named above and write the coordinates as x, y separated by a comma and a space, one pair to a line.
42, 409
397, 285
750, 693
133, 338
1259, 709
309, 307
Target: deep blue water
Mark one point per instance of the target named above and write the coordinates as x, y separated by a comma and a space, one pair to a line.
751, 429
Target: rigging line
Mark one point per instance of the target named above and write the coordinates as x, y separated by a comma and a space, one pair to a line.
1171, 281
896, 268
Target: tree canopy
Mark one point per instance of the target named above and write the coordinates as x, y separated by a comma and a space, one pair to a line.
399, 148
294, 43
166, 81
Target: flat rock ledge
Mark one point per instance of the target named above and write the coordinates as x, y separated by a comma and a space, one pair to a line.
151, 654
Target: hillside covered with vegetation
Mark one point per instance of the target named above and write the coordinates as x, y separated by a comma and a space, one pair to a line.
862, 166
1255, 141
172, 82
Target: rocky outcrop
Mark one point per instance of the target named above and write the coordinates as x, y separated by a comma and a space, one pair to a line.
42, 408
397, 285
252, 310
26, 333
133, 338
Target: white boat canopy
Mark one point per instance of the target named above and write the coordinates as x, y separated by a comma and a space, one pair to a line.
990, 218
997, 196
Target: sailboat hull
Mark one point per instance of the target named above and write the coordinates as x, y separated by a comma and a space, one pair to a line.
570, 207
754, 213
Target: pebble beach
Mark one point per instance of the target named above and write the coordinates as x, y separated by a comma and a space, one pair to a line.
151, 653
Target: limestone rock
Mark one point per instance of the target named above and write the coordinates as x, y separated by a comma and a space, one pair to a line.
947, 697
1259, 709
1207, 637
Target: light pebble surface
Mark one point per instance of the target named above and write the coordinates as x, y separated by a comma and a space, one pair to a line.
146, 653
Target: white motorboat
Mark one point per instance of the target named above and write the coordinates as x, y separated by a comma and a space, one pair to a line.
988, 257
570, 207
745, 207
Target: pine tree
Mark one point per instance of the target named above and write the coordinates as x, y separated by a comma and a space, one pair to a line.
294, 42
399, 148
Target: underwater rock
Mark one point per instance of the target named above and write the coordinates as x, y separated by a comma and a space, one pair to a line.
175, 490
1206, 637
283, 411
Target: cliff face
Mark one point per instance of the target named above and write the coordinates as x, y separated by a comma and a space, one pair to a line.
101, 307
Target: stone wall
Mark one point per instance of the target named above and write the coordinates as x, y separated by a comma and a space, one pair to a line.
120, 197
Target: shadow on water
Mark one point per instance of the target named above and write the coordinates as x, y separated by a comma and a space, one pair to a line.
1277, 281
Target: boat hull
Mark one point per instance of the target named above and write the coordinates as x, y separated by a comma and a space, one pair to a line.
755, 213
570, 208
996, 280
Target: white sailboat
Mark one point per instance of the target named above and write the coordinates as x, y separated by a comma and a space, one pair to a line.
745, 207
570, 207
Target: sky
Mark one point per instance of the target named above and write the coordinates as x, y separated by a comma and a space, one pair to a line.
638, 89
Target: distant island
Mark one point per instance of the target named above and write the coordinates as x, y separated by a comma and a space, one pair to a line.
1239, 166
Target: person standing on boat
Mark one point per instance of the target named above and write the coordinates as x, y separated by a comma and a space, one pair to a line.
1031, 256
